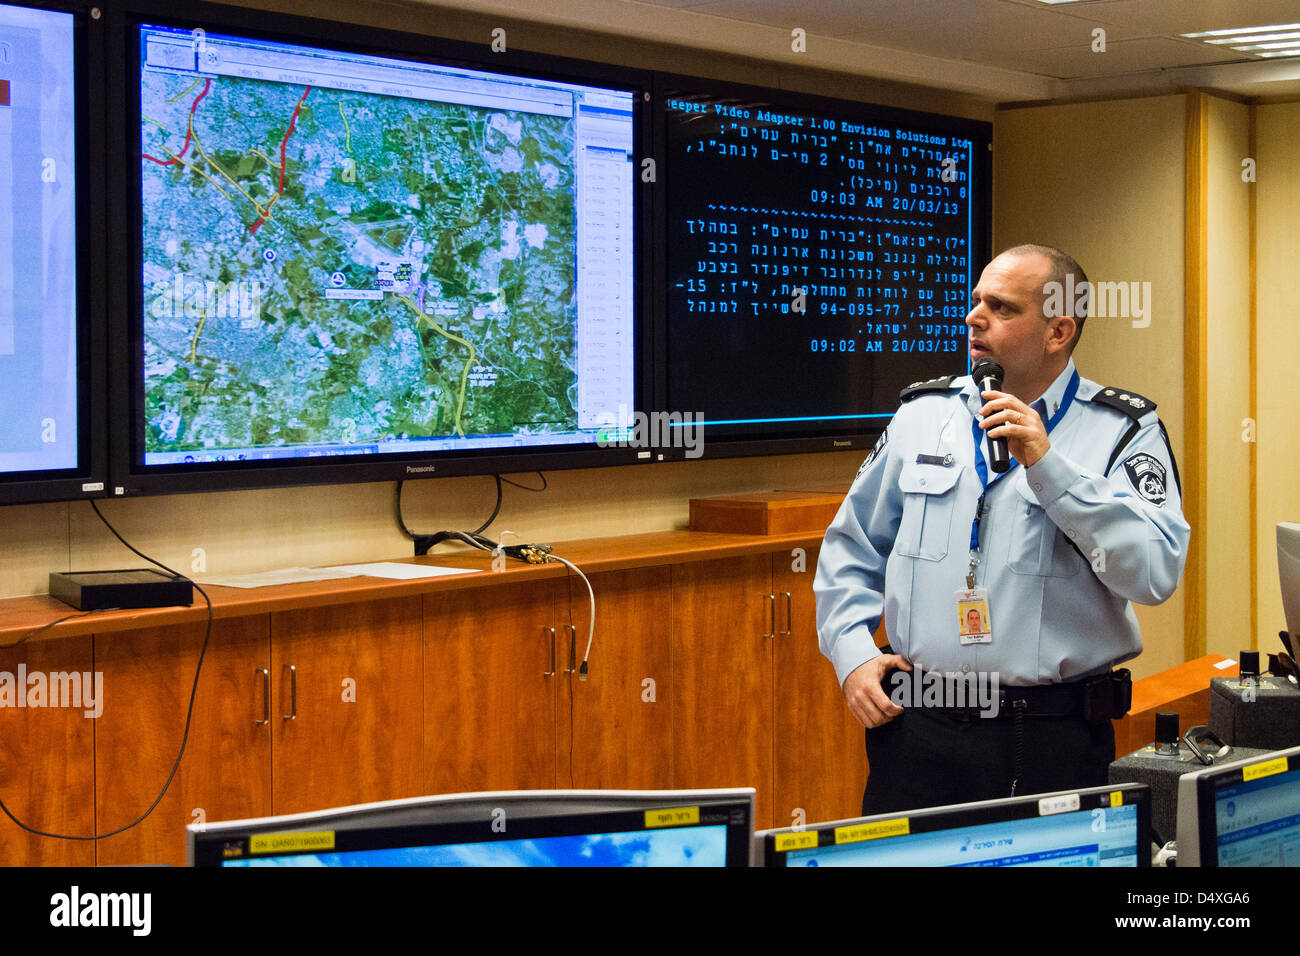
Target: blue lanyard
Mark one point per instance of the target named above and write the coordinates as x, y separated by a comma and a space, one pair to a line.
981, 469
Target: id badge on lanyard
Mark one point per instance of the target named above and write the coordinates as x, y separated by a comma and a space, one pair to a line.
974, 621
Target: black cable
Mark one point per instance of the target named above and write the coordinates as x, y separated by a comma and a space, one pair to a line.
189, 713
423, 542
545, 484
44, 627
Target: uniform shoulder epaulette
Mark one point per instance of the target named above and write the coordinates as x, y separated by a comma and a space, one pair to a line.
1128, 403
940, 384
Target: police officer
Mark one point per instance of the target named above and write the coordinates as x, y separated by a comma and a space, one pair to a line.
1087, 519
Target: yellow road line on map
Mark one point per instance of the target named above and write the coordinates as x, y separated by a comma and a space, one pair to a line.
464, 372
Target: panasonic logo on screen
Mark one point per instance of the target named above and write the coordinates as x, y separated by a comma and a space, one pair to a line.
412, 470
841, 444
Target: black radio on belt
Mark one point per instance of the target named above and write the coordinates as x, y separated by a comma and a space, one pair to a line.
1108, 697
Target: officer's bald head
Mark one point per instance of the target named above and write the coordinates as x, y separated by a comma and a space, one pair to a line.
1061, 272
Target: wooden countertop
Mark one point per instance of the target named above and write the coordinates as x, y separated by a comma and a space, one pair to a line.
18, 616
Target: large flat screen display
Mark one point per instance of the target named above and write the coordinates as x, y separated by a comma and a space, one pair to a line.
819, 257
347, 254
44, 368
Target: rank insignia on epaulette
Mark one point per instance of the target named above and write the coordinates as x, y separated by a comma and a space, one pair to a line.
1130, 403
940, 384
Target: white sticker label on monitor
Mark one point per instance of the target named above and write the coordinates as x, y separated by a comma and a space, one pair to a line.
1066, 803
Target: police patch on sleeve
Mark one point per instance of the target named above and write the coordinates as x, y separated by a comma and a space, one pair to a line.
1147, 476
875, 453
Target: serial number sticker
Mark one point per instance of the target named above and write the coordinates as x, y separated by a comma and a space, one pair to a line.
1265, 769
290, 842
807, 840
672, 817
873, 831
1063, 804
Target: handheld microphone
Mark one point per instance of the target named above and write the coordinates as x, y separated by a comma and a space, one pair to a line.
988, 376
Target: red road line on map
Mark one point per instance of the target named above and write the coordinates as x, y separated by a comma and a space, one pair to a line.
284, 142
189, 130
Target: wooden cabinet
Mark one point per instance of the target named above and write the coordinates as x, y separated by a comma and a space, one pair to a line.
820, 754
347, 708
722, 672
47, 757
505, 708
757, 703
225, 773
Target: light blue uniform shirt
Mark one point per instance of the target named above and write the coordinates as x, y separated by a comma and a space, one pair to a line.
900, 544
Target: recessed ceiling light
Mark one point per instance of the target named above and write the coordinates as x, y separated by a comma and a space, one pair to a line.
1280, 39
1254, 38
1242, 32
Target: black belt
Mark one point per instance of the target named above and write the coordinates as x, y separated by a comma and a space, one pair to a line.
1096, 699
1043, 700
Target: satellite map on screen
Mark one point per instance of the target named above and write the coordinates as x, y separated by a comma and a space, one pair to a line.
336, 267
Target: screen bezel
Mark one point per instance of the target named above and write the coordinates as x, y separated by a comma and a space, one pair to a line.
932, 819
88, 478
475, 818
129, 473
771, 438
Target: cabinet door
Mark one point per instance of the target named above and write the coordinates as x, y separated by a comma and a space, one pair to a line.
225, 773
493, 659
821, 760
347, 704
47, 759
722, 676
615, 727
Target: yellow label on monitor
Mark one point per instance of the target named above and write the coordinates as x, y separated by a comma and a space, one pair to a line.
290, 842
873, 831
1265, 769
672, 817
807, 840
1117, 798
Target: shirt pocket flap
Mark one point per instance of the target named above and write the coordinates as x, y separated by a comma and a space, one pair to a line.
928, 479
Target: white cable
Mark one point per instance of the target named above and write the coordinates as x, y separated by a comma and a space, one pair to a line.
591, 626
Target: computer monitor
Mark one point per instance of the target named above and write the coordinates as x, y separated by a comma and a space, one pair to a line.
826, 243
365, 255
1099, 826
1244, 813
512, 828
1288, 570
51, 223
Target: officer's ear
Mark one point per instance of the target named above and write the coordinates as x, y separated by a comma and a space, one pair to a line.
1060, 333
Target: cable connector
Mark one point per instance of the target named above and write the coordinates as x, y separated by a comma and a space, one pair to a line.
532, 553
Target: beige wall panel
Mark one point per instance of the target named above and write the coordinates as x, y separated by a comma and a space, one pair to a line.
1277, 271
1227, 591
1104, 181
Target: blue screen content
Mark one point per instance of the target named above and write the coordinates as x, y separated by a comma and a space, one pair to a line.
704, 846
1257, 823
348, 254
38, 242
1098, 837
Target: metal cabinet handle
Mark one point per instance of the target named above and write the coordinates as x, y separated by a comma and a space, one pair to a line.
293, 693
266, 697
551, 672
573, 648
771, 615
789, 614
